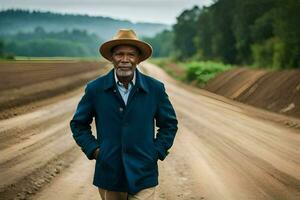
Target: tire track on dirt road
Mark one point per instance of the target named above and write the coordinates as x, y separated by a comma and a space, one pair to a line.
37, 145
38, 151
242, 157
221, 152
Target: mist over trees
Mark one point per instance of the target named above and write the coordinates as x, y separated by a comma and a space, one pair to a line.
42, 34
14, 21
263, 33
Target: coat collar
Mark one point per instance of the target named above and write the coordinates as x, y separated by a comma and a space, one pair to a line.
109, 81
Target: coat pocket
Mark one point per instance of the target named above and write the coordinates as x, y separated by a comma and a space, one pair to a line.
154, 153
98, 156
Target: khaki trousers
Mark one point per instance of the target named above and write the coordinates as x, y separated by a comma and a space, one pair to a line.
145, 194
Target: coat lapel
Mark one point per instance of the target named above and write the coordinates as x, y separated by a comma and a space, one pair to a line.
140, 88
110, 86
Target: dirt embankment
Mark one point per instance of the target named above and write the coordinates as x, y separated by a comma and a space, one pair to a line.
277, 91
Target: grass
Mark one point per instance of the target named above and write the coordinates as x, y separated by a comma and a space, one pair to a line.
194, 72
201, 72
175, 69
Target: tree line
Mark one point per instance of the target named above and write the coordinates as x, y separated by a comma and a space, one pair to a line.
264, 33
39, 43
13, 21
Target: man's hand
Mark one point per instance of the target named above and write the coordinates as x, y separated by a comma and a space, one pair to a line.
95, 154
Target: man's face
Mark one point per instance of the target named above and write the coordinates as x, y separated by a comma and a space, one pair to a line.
125, 58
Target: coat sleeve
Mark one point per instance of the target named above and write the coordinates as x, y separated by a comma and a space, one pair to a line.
81, 125
166, 122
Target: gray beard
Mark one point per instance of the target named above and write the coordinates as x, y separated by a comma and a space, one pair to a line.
124, 73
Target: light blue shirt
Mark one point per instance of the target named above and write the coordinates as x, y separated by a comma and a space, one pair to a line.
123, 91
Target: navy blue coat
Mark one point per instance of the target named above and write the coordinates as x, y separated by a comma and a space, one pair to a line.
129, 149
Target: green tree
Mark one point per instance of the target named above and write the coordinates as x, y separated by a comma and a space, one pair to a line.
246, 14
185, 31
287, 17
214, 31
41, 43
162, 44
1, 49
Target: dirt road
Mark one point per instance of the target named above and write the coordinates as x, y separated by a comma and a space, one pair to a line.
222, 151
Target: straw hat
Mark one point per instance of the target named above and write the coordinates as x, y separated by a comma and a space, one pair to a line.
126, 37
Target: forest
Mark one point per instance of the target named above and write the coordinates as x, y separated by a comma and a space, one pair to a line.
46, 34
258, 33
261, 33
39, 43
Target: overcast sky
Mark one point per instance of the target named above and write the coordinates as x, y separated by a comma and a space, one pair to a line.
162, 11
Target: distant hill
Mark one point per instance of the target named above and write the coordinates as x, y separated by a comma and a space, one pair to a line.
13, 21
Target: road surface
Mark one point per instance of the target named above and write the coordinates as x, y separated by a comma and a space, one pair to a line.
222, 151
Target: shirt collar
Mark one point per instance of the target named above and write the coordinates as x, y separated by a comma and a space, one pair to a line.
132, 81
140, 80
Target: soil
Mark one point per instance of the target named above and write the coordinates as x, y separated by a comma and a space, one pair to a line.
276, 91
223, 149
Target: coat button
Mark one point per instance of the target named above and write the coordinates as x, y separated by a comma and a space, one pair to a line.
121, 109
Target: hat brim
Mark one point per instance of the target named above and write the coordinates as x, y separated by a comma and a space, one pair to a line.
144, 47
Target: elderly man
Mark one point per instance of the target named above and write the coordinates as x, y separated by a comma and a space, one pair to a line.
126, 105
